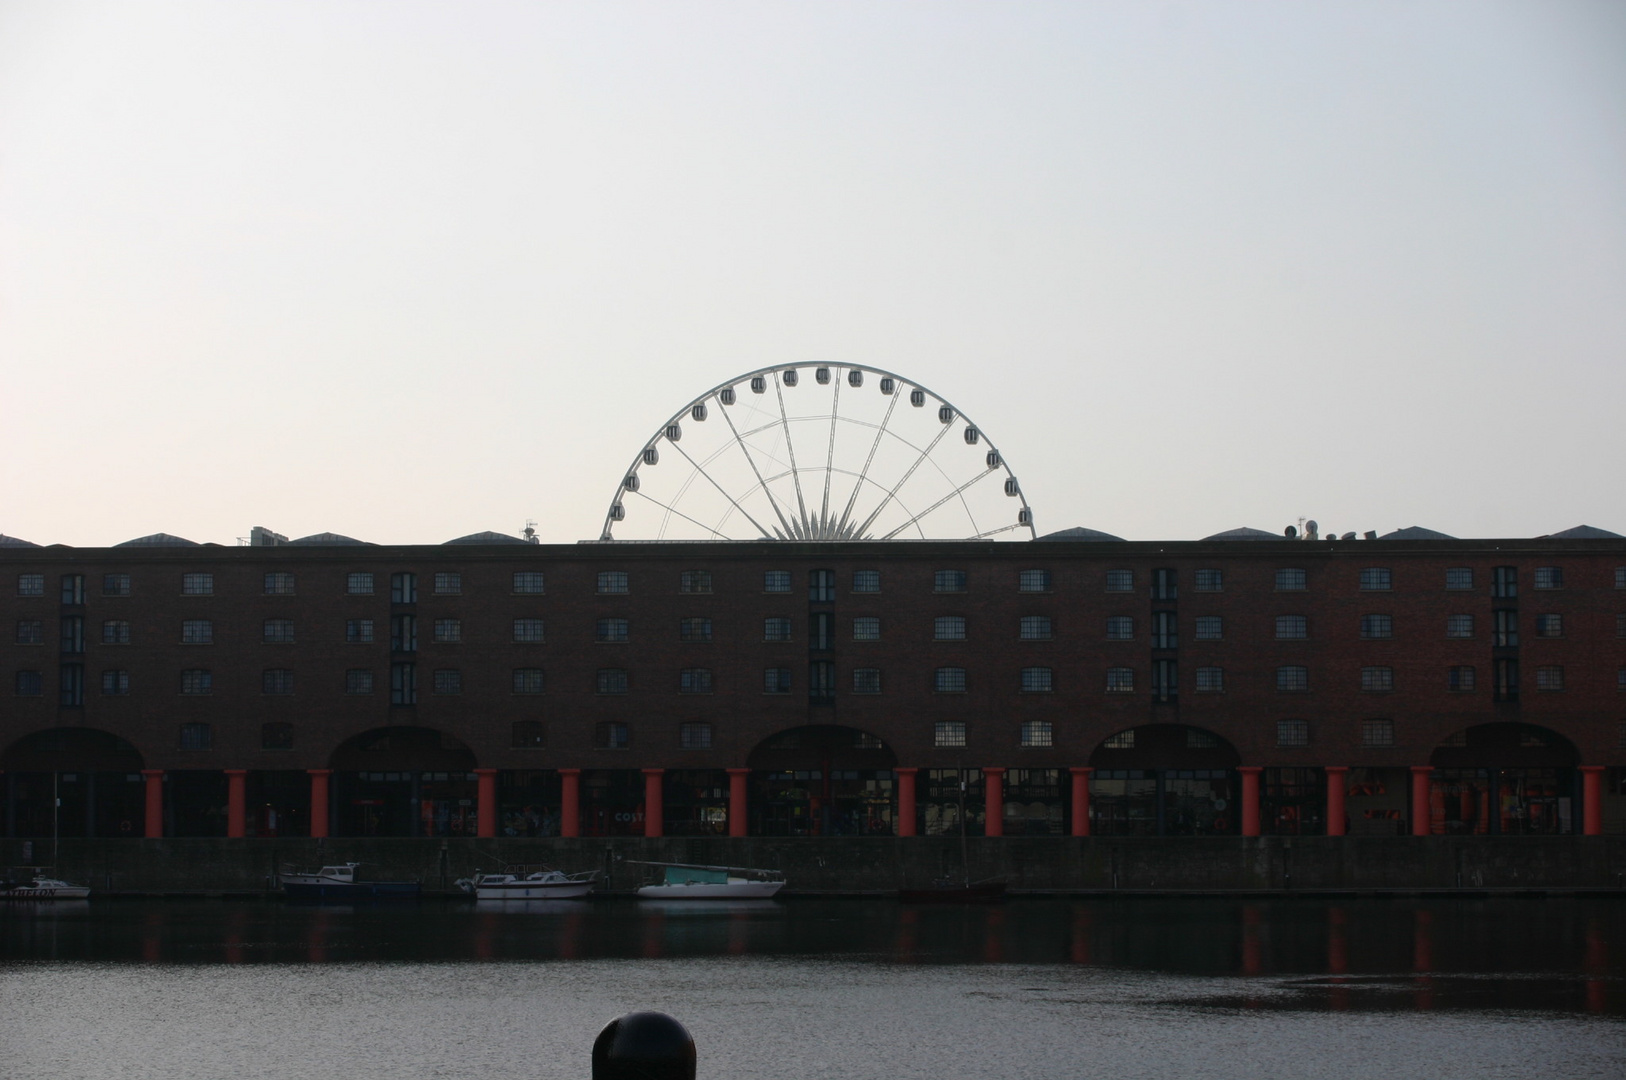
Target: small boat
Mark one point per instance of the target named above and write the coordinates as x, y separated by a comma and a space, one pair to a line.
682, 881
529, 883
950, 891
27, 883
342, 882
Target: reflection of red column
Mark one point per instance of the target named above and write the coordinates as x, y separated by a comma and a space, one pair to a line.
570, 802
1250, 799
236, 802
1592, 800
319, 812
155, 803
1336, 823
1338, 957
1596, 964
993, 780
654, 803
1081, 800
485, 821
906, 801
1080, 951
1420, 815
1252, 959
1422, 958
738, 807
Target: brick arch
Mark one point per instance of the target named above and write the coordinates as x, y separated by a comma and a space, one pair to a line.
402, 749
1505, 743
1166, 746
817, 746
71, 749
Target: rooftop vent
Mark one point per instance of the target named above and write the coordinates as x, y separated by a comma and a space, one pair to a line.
159, 540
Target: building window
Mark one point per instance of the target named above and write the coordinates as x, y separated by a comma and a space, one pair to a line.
821, 681
1505, 582
694, 735
276, 736
1165, 633
1290, 579
359, 584
72, 636
30, 632
695, 680
403, 633
448, 583
1120, 581
1459, 626
1377, 732
948, 733
821, 586
449, 631
866, 680
1506, 674
1549, 577
1033, 581
1165, 680
30, 684
528, 631
1210, 628
279, 583
1123, 740
612, 680
73, 588
611, 735
775, 629
30, 584
1377, 578
867, 628
529, 583
1120, 628
949, 680
1377, 679
1620, 679
1377, 626
358, 631
197, 632
1506, 628
1291, 679
949, 581
694, 581
1620, 577
1549, 626
1459, 578
115, 683
1034, 628
1037, 680
1120, 680
1292, 733
1460, 678
1210, 680
610, 630
197, 681
404, 683
277, 632
71, 685
1037, 734
277, 681
115, 584
358, 681
1210, 581
528, 680
612, 582
1549, 677
196, 737
949, 628
695, 629
197, 584
776, 581
1164, 584
403, 588
866, 581
1292, 627
448, 681
527, 735
776, 680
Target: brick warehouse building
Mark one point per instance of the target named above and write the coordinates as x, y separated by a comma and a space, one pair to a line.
493, 687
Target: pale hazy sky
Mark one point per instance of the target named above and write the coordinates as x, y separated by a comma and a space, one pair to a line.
409, 271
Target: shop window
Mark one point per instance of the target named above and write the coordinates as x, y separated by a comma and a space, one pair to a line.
1376, 579
530, 583
1120, 680
276, 736
694, 736
448, 583
611, 735
279, 583
1210, 680
359, 584
1377, 679
1377, 732
1037, 734
866, 581
694, 581
695, 629
948, 733
1037, 680
196, 737
776, 581
1210, 581
527, 735
1292, 733
1033, 581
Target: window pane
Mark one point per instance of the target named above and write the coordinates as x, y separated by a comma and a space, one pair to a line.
1033, 581
867, 628
1037, 680
528, 680
950, 680
1120, 581
1291, 627
360, 584
1120, 680
868, 581
948, 733
1376, 577
1210, 581
1289, 580
1292, 678
949, 628
529, 582
1035, 628
612, 581
776, 581
949, 581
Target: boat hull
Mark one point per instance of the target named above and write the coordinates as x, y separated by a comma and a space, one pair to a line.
352, 891
733, 890
45, 892
534, 890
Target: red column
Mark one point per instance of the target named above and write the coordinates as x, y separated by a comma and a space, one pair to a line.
319, 811
737, 819
993, 785
1592, 800
485, 820
1337, 825
906, 801
1420, 816
155, 803
236, 802
570, 802
1250, 798
1081, 800
654, 803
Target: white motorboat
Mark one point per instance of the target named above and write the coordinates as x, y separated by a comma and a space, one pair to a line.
529, 883
681, 881
36, 886
342, 882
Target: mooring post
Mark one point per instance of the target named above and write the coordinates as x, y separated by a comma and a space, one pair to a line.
644, 1046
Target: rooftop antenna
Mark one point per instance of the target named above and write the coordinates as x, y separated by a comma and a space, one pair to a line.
530, 531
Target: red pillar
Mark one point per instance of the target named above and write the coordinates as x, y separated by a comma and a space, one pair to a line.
1081, 800
993, 786
236, 802
906, 801
737, 808
1420, 786
319, 811
485, 820
1592, 800
654, 803
570, 802
1337, 825
1250, 798
155, 803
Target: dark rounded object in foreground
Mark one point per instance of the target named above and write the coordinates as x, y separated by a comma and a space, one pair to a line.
644, 1046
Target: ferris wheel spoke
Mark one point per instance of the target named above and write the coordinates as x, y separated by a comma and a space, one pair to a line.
904, 479
745, 449
863, 474
830, 452
996, 532
679, 513
720, 489
950, 497
790, 449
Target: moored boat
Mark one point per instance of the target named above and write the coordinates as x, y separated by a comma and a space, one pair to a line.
343, 882
682, 881
528, 883
27, 883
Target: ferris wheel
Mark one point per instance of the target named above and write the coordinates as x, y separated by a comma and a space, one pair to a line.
818, 452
